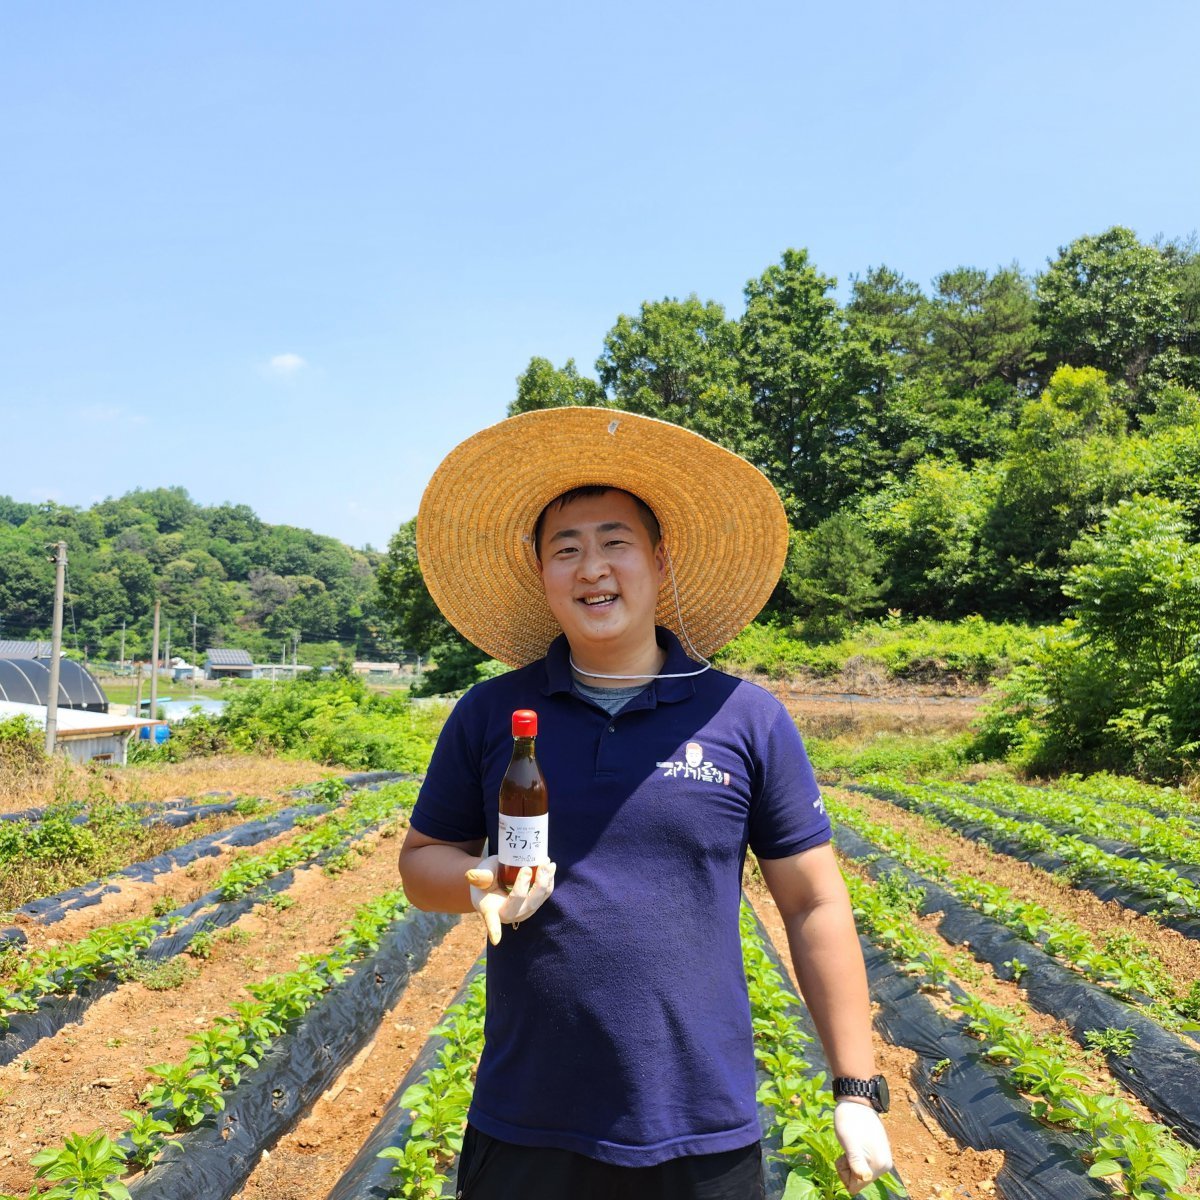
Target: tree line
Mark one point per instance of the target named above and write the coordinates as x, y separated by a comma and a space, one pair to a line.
938, 450
1024, 447
248, 584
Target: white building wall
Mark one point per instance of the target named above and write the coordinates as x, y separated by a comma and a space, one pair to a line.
108, 747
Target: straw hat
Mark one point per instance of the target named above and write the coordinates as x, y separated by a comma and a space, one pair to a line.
721, 519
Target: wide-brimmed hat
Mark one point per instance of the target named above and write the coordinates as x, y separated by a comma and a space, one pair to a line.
723, 524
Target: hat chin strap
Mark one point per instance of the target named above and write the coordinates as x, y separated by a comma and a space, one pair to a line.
682, 629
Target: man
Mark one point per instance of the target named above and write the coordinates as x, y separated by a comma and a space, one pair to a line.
586, 547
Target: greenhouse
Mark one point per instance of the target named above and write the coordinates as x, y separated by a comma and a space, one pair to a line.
27, 681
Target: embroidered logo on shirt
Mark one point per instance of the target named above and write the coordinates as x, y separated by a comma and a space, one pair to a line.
694, 766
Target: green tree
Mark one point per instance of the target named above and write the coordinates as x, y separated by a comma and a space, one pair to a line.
677, 360
981, 330
929, 530
886, 313
1069, 460
1135, 588
833, 576
542, 385
1109, 302
1117, 687
813, 433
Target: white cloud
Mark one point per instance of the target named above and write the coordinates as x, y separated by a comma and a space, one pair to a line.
283, 365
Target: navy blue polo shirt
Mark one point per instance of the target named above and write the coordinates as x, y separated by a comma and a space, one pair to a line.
618, 1024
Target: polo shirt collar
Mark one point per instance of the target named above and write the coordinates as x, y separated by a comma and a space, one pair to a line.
665, 691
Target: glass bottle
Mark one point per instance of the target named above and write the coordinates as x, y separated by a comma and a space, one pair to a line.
524, 821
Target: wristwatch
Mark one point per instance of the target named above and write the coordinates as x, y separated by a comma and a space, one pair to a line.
874, 1089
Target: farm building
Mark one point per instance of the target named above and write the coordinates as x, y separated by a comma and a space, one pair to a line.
237, 664
9, 649
376, 668
81, 735
220, 663
27, 681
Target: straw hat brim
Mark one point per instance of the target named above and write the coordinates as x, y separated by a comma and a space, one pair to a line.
721, 519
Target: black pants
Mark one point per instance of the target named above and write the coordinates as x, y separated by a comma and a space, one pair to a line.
492, 1170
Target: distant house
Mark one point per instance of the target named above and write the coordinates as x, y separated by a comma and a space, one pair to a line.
237, 664
25, 649
228, 664
376, 668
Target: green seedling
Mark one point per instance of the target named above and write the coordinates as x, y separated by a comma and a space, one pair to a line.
84, 1168
1119, 1042
148, 1134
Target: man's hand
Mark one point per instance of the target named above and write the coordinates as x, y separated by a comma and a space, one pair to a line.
498, 907
865, 1141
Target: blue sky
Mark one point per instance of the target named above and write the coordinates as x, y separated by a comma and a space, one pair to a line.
289, 254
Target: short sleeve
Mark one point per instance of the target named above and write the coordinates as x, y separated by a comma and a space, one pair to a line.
450, 803
787, 814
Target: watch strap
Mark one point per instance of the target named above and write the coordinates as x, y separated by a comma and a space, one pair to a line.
873, 1089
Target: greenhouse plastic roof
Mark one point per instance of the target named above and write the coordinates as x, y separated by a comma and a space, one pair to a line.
27, 681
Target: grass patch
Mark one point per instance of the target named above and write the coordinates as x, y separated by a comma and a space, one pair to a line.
908, 754
973, 651
160, 977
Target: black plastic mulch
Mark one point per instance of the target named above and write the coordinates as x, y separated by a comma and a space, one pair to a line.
49, 909
369, 1177
220, 1154
1123, 893
206, 913
970, 1098
1162, 1069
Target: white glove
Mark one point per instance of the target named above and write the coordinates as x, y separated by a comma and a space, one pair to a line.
495, 905
865, 1141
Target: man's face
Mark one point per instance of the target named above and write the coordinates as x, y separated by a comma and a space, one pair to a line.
600, 572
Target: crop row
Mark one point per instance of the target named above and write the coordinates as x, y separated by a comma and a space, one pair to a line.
1139, 1158
1121, 964
107, 952
1163, 838
88, 1166
1120, 789
792, 1094
1171, 894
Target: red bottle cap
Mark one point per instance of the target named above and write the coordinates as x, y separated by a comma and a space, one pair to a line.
524, 723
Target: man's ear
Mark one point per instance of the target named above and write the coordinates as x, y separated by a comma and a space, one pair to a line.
661, 557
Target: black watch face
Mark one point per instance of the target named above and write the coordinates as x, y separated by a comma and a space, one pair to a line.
885, 1098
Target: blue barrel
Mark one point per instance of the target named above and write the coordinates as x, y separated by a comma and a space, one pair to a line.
159, 733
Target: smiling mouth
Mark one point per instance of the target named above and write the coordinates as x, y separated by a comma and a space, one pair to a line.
598, 601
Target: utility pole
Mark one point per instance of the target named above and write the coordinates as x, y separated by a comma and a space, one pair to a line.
193, 652
60, 586
122, 642
137, 708
167, 655
154, 666
295, 651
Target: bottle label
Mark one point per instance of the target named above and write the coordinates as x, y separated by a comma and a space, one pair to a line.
523, 840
